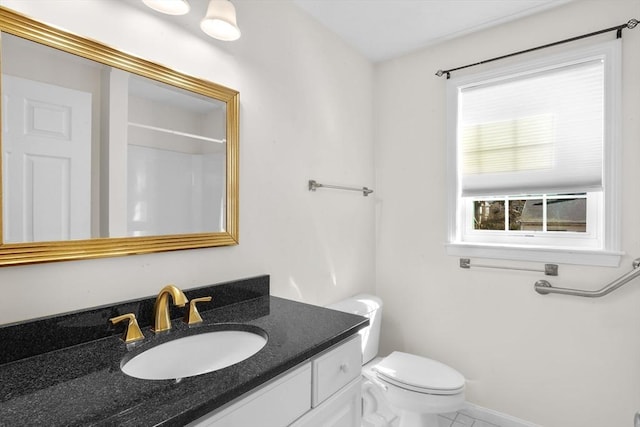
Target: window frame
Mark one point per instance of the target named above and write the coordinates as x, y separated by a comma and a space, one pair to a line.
588, 239
607, 253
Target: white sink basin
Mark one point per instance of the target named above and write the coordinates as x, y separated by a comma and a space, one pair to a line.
194, 355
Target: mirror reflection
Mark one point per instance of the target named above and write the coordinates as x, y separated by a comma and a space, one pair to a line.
91, 151
107, 154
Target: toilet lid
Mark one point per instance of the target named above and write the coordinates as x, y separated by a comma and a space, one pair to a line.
419, 374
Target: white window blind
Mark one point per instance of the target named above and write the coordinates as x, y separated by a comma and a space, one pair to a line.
537, 132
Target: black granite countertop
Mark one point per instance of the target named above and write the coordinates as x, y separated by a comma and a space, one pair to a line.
81, 383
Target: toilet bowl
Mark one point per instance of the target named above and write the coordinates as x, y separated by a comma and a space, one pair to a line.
402, 389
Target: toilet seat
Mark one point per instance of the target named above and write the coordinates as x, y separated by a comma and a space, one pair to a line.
419, 374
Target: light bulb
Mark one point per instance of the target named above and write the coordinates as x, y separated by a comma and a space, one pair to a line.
220, 21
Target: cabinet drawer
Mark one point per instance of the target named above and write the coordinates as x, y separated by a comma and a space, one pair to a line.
335, 369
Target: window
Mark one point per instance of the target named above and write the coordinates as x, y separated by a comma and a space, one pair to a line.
532, 159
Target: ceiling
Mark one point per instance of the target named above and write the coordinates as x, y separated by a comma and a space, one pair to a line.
384, 29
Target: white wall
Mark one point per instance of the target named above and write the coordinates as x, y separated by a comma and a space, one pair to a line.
306, 113
306, 102
554, 360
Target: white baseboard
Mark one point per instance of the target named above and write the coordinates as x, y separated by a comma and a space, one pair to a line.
494, 417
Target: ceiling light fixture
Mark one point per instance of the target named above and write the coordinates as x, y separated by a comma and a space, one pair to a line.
220, 21
170, 7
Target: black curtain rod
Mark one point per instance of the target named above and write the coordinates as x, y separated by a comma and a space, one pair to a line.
631, 24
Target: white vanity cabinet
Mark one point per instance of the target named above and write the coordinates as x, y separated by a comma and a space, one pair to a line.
336, 395
277, 403
322, 392
343, 409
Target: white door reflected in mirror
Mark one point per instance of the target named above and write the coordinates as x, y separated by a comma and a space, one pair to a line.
47, 161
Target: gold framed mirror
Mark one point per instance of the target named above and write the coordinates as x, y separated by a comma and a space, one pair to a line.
154, 157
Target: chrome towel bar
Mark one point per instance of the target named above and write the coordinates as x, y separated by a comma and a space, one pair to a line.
543, 287
549, 269
313, 185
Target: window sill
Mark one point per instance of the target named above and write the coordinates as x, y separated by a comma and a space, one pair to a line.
546, 255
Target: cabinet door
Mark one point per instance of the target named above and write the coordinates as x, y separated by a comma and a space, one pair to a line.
343, 409
276, 405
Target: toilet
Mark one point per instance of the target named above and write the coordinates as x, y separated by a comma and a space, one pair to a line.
402, 389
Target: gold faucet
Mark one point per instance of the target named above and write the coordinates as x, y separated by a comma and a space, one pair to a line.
132, 332
161, 308
192, 316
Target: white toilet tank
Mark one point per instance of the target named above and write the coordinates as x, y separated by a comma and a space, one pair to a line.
368, 306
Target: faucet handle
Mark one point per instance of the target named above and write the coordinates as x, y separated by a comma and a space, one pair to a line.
132, 333
192, 316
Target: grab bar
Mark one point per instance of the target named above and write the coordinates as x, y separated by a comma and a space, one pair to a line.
543, 287
313, 185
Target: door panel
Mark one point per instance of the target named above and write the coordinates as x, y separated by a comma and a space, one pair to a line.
47, 161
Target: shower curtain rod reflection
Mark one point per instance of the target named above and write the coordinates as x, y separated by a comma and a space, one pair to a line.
618, 28
313, 185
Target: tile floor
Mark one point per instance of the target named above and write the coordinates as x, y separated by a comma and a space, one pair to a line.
469, 416
460, 419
